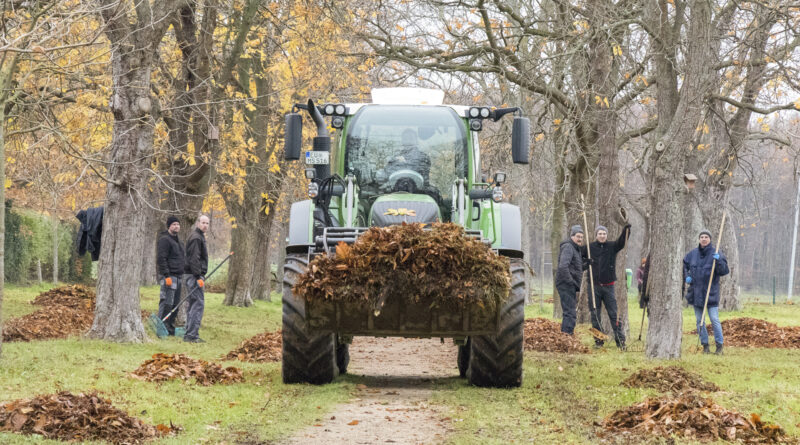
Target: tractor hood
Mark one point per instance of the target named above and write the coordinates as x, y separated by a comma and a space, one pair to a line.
397, 208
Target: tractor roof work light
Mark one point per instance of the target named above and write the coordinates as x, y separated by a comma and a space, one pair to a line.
474, 112
475, 125
485, 112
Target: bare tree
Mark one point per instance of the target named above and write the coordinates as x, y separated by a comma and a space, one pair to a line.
134, 35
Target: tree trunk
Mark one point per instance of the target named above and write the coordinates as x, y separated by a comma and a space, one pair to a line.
54, 226
133, 48
262, 268
240, 270
679, 114
3, 82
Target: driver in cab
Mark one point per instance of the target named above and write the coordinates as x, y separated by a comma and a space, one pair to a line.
410, 157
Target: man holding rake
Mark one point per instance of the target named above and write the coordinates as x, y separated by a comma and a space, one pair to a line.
603, 256
698, 266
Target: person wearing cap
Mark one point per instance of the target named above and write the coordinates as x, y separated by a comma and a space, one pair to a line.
604, 273
568, 277
697, 272
170, 262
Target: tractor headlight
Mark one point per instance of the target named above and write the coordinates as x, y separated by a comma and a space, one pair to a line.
310, 173
337, 122
475, 125
340, 109
329, 109
499, 178
313, 190
484, 113
497, 194
474, 112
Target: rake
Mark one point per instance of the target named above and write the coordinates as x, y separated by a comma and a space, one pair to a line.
597, 334
157, 324
699, 346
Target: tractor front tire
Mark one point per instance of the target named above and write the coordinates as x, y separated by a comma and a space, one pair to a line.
308, 357
342, 356
463, 359
496, 360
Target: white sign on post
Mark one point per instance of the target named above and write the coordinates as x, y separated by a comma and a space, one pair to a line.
317, 157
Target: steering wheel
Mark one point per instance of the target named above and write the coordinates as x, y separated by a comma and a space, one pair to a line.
405, 178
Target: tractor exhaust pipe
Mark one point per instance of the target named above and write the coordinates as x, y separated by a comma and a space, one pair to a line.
322, 141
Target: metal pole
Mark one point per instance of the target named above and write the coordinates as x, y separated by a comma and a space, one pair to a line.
794, 241
773, 290
541, 274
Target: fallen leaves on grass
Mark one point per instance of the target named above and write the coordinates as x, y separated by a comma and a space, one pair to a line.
77, 417
163, 367
48, 323
691, 416
264, 347
545, 335
668, 378
752, 332
76, 296
438, 267
68, 310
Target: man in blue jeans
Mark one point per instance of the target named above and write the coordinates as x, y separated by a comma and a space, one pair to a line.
697, 272
196, 268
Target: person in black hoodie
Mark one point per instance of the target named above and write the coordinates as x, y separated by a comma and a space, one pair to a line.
196, 268
568, 277
170, 263
604, 273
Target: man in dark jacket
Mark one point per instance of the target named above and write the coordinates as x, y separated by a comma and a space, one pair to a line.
604, 273
697, 272
196, 268
568, 277
170, 263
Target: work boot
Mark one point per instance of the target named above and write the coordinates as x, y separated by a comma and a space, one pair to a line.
718, 351
621, 345
194, 340
706, 349
598, 344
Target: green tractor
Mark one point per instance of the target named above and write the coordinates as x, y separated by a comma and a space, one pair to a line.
403, 158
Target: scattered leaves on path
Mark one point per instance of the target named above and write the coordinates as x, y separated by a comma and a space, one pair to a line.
77, 417
163, 367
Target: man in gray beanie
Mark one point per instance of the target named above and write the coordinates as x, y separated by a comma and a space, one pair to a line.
604, 273
568, 277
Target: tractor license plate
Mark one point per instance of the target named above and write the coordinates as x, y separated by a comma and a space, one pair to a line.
317, 157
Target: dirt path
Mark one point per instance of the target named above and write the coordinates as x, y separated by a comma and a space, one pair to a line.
391, 403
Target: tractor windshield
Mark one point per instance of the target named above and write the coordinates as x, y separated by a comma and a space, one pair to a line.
416, 149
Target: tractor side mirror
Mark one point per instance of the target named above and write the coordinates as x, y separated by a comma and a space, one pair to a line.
293, 137
520, 140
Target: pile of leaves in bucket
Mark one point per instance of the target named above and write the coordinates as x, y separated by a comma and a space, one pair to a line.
66, 311
545, 335
757, 333
668, 378
77, 417
264, 347
693, 417
163, 367
437, 267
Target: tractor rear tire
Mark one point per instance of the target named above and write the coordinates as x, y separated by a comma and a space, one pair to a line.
496, 360
342, 356
308, 357
463, 359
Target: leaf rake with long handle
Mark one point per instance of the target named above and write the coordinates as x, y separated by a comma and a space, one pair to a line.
597, 334
158, 323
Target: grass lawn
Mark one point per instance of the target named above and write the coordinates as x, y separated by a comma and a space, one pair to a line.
261, 408
564, 395
561, 399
